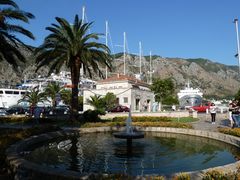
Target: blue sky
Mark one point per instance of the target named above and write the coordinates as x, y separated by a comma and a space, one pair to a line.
169, 28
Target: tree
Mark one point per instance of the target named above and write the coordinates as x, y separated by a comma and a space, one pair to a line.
66, 97
71, 44
110, 101
237, 97
162, 88
97, 102
53, 90
34, 97
9, 43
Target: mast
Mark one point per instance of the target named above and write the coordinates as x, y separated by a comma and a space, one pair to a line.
238, 48
83, 13
124, 53
150, 67
106, 43
83, 19
140, 57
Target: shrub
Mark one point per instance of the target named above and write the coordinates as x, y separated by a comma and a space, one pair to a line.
163, 124
214, 174
233, 132
182, 176
15, 119
154, 119
142, 119
92, 115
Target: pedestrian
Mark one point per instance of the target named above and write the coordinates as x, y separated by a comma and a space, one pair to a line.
235, 114
213, 111
231, 107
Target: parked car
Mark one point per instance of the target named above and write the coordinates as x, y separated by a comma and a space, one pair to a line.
201, 108
17, 110
120, 108
3, 112
57, 111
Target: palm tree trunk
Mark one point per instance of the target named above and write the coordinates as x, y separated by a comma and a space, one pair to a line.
75, 74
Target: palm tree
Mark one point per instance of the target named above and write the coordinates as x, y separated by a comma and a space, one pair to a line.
33, 97
70, 44
96, 101
9, 43
52, 90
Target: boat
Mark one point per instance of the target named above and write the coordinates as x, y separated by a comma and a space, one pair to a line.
10, 97
189, 97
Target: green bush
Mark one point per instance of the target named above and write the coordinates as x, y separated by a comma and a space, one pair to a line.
142, 119
154, 119
15, 119
92, 115
215, 174
182, 176
233, 132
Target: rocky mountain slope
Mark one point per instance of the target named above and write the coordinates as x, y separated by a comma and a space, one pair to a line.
214, 79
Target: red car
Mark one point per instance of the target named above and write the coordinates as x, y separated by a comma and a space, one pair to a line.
120, 108
201, 108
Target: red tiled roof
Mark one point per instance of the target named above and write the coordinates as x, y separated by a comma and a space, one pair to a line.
123, 78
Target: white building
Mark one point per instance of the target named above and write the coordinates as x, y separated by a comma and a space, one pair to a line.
129, 91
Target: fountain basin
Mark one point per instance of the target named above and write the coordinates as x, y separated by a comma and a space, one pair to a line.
124, 135
26, 167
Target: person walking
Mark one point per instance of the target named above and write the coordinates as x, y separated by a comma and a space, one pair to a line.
235, 114
213, 111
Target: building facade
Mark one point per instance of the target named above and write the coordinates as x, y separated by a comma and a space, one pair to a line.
128, 90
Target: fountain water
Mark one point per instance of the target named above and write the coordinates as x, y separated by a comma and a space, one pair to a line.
129, 133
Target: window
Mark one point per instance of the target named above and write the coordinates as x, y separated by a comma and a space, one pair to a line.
1, 92
9, 92
15, 92
125, 100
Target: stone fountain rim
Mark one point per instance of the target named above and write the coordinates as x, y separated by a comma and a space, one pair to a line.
19, 164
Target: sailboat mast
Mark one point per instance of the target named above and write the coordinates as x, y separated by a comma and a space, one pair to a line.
150, 67
238, 48
140, 58
83, 13
124, 53
83, 19
106, 43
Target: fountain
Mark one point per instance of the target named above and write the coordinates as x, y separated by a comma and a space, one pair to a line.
129, 133
75, 155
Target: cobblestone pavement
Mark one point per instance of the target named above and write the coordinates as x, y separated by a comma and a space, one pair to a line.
204, 122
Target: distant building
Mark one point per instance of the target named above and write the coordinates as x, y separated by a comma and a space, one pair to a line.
128, 90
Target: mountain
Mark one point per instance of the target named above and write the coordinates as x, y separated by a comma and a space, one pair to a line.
214, 79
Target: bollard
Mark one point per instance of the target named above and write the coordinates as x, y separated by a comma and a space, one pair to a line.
195, 114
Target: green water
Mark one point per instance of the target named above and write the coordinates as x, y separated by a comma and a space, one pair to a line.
156, 154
